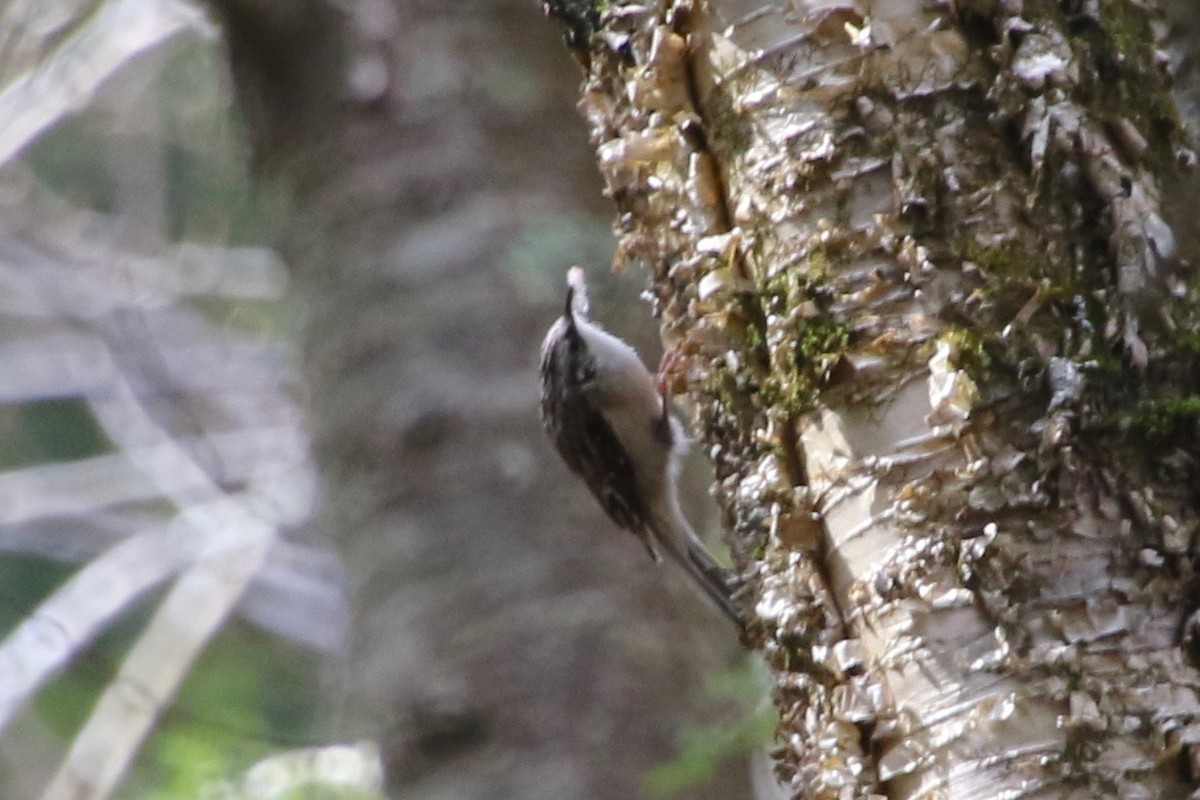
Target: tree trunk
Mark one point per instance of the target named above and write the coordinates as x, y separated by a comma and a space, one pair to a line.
508, 642
941, 341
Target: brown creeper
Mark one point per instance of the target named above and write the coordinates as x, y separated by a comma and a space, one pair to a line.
613, 428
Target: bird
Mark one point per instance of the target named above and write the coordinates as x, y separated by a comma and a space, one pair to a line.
610, 421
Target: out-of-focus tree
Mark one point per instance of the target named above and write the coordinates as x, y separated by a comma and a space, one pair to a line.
506, 642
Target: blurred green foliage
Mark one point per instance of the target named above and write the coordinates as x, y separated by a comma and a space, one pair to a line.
704, 749
48, 430
247, 697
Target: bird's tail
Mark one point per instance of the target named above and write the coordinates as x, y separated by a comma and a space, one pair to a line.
713, 579
677, 539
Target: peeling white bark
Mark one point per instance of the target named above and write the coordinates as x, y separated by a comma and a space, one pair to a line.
914, 261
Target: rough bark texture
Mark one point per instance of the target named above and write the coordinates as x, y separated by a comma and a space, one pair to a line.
941, 340
509, 642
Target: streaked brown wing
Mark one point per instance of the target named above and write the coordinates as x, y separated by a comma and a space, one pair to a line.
589, 447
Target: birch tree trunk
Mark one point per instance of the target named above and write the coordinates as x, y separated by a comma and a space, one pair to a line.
941, 340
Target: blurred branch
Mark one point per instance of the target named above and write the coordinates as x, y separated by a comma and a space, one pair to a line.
96, 484
232, 544
66, 622
65, 83
191, 614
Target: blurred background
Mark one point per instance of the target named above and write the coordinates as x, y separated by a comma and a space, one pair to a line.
174, 624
